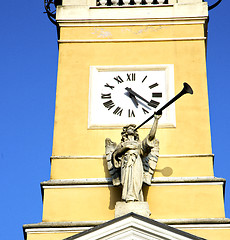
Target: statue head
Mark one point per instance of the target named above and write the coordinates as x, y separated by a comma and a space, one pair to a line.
129, 130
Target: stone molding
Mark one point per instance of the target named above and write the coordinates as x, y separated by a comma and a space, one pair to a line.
88, 11
132, 40
108, 181
76, 227
132, 22
160, 156
108, 227
179, 222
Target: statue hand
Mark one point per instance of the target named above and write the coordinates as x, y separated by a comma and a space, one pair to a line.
158, 115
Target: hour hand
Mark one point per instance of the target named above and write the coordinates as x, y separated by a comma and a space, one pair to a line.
137, 95
133, 99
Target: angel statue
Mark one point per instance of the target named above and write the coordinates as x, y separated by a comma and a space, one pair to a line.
132, 162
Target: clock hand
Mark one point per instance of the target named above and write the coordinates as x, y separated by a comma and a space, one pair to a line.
133, 99
137, 95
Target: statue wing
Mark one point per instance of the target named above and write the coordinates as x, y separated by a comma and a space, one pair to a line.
150, 162
110, 147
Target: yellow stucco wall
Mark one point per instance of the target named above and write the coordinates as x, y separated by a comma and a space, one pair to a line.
74, 168
71, 136
166, 201
50, 236
214, 233
160, 30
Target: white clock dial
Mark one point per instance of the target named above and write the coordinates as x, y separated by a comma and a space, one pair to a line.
131, 94
124, 95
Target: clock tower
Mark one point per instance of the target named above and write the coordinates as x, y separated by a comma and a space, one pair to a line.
119, 61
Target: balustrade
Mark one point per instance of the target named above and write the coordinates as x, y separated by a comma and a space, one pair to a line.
130, 2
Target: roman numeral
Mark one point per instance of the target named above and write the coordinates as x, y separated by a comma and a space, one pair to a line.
106, 95
118, 79
109, 104
153, 103
131, 77
156, 94
153, 85
118, 111
131, 113
107, 85
144, 78
145, 111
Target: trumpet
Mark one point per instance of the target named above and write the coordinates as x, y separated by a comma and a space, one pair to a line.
186, 89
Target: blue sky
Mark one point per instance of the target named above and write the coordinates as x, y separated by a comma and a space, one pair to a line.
28, 66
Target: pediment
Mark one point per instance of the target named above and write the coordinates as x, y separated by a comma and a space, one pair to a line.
133, 227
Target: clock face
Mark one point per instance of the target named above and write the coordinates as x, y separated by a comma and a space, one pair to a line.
120, 95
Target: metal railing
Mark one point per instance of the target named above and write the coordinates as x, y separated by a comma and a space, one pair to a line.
130, 2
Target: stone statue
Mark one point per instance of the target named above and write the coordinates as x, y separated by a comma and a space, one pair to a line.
132, 162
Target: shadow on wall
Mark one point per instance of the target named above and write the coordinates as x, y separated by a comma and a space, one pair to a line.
166, 172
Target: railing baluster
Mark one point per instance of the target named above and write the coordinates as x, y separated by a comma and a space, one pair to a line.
149, 2
138, 2
126, 2
114, 2
103, 2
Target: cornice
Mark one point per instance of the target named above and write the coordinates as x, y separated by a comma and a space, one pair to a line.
80, 226
103, 156
108, 181
133, 21
131, 40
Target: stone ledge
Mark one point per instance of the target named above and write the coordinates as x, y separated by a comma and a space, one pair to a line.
101, 181
160, 156
95, 223
79, 226
63, 224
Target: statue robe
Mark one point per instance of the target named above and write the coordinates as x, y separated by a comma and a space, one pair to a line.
132, 168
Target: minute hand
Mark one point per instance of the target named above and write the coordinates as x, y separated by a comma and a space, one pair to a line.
137, 95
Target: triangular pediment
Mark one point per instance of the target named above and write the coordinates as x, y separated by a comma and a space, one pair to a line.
133, 227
